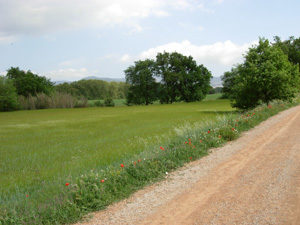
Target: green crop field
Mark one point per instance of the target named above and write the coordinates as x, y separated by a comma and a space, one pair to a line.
42, 149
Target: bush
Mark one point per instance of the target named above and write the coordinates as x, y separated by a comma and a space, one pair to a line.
8, 95
109, 102
98, 103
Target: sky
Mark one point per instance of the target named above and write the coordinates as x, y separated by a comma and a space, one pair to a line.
67, 40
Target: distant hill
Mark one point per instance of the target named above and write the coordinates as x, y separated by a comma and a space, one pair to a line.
104, 78
216, 82
92, 78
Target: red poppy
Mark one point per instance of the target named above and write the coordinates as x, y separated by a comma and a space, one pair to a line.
189, 139
191, 158
161, 148
185, 142
122, 165
232, 129
208, 131
102, 181
220, 136
67, 184
139, 160
134, 163
200, 141
27, 196
190, 143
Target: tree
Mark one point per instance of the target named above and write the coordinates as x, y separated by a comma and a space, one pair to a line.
28, 83
290, 47
228, 81
8, 95
181, 78
143, 87
265, 75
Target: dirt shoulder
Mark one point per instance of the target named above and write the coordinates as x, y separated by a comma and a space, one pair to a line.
253, 180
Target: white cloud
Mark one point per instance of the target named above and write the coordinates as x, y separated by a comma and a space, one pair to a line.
46, 16
69, 74
218, 57
125, 58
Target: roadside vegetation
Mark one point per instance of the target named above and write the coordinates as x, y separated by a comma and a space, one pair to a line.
64, 189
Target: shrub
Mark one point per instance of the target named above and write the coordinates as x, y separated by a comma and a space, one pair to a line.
109, 102
8, 95
98, 103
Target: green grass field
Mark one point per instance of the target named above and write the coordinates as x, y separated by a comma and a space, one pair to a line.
51, 144
43, 150
122, 102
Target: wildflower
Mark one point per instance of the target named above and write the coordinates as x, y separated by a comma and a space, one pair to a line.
220, 136
191, 158
27, 196
190, 139
194, 146
190, 143
134, 163
67, 184
167, 173
232, 129
122, 165
161, 148
200, 141
102, 181
185, 142
208, 131
139, 160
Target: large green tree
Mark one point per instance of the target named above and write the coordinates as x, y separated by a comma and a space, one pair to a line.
181, 78
143, 86
8, 95
28, 83
290, 47
265, 75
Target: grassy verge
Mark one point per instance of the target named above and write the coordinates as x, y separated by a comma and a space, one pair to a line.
100, 187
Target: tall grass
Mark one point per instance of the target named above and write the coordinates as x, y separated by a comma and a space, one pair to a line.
101, 186
56, 100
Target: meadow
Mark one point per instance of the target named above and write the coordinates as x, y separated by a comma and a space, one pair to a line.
49, 147
59, 164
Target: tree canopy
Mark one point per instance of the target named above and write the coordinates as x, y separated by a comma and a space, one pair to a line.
143, 87
171, 77
8, 95
28, 83
265, 75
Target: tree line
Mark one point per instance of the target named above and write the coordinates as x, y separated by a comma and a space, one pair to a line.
95, 89
21, 89
270, 71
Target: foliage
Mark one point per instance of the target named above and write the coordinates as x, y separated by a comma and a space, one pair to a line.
8, 95
265, 75
181, 78
290, 47
95, 189
109, 102
94, 89
143, 87
55, 100
28, 83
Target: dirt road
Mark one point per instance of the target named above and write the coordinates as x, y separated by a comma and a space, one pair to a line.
253, 180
